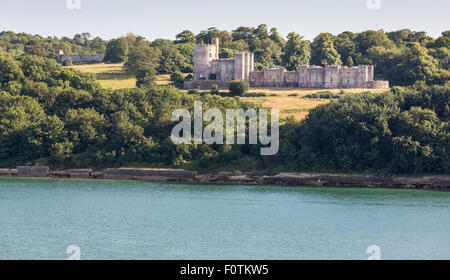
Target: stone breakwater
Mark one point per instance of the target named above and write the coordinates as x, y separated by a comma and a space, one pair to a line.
223, 178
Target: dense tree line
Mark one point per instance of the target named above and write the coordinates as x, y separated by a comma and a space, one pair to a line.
16, 44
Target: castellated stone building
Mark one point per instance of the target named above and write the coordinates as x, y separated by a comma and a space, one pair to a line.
209, 70
329, 77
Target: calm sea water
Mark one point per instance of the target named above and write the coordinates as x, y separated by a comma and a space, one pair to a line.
40, 218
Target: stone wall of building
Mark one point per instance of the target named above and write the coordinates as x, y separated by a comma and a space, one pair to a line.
318, 77
206, 84
80, 58
378, 85
243, 65
223, 69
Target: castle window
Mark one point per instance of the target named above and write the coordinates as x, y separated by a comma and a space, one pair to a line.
210, 55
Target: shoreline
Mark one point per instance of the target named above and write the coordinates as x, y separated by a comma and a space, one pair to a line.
228, 178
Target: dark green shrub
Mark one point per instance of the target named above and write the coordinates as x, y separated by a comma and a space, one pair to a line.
177, 77
239, 88
146, 78
67, 62
256, 94
193, 91
215, 89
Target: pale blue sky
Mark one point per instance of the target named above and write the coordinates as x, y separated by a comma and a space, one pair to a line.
165, 18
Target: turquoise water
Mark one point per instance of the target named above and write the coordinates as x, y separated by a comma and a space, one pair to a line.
40, 218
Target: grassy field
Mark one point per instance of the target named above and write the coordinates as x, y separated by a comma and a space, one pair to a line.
111, 76
290, 101
114, 76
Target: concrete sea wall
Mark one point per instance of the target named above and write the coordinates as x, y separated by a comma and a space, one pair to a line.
149, 174
282, 179
33, 171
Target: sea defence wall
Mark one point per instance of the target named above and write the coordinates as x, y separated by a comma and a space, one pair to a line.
79, 173
7, 172
149, 174
334, 180
224, 178
33, 171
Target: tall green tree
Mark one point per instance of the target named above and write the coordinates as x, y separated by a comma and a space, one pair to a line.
10, 71
297, 52
38, 47
243, 33
323, 52
186, 36
171, 60
117, 50
276, 37
142, 56
206, 36
349, 62
267, 53
261, 32
346, 46
443, 41
416, 65
368, 39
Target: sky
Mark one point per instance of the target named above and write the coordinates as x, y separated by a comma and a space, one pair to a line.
165, 18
